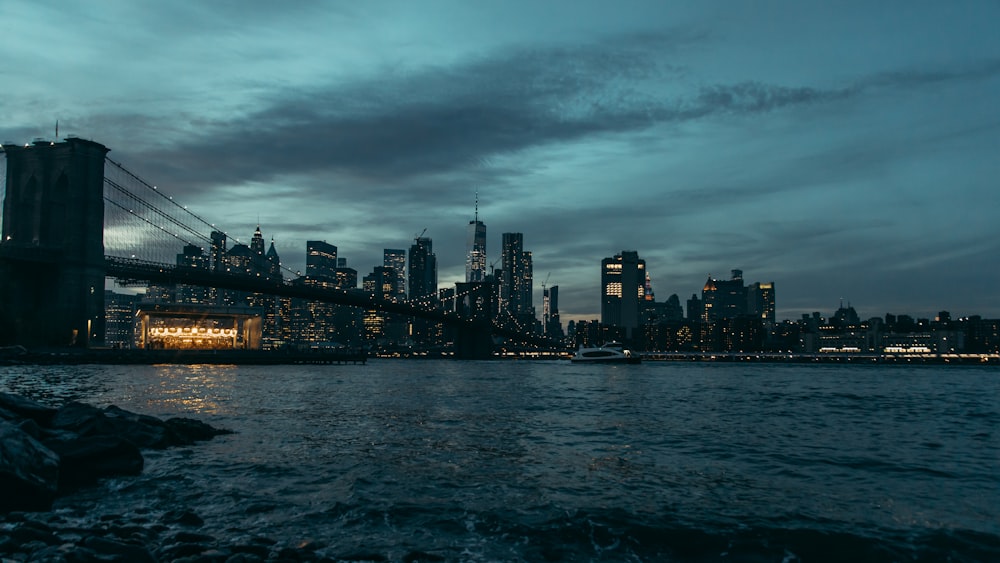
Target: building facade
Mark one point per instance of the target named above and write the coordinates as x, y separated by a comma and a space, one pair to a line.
623, 288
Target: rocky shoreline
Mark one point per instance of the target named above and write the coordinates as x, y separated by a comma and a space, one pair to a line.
46, 452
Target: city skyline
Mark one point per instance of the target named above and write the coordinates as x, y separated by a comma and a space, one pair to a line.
843, 152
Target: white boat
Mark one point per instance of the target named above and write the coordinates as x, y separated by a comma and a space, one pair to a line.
612, 352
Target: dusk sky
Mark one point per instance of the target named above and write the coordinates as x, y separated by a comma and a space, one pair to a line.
840, 149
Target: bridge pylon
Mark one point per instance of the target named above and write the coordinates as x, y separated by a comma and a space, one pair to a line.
52, 244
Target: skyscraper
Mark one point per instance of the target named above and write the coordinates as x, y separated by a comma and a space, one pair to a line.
475, 263
321, 260
395, 258
550, 312
516, 281
760, 302
423, 285
623, 287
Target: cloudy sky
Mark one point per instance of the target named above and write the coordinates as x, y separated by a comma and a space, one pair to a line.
840, 149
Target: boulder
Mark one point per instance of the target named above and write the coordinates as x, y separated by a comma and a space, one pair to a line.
81, 419
26, 408
187, 431
142, 430
86, 459
29, 472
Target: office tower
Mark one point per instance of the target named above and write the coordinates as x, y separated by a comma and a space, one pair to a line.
760, 302
694, 308
381, 283
623, 287
550, 312
475, 264
341, 262
395, 258
218, 253
119, 311
423, 286
516, 285
422, 271
321, 260
192, 257
724, 299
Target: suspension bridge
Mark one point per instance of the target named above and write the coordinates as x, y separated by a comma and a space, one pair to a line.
72, 217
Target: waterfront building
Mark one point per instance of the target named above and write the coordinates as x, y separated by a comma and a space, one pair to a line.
119, 312
623, 288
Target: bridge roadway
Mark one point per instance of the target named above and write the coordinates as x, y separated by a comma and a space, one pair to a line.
132, 270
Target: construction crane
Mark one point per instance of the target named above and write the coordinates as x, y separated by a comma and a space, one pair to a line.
420, 234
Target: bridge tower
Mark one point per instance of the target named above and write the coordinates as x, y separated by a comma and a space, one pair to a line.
52, 244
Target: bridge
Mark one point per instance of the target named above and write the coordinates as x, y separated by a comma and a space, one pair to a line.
73, 217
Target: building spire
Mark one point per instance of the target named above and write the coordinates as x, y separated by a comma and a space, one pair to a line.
477, 204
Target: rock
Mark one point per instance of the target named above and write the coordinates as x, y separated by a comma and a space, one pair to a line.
29, 471
81, 419
125, 551
85, 460
188, 431
26, 408
142, 430
183, 517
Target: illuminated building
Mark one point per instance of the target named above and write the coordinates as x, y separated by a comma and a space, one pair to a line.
760, 302
475, 264
382, 284
623, 288
119, 313
184, 327
321, 260
192, 257
395, 258
516, 286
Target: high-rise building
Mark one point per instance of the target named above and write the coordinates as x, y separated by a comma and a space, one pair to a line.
724, 299
321, 260
516, 286
475, 263
395, 258
422, 271
550, 312
760, 302
423, 286
192, 257
623, 288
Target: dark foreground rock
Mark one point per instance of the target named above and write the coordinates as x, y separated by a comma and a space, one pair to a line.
46, 451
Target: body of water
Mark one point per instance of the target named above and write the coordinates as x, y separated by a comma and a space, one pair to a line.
552, 461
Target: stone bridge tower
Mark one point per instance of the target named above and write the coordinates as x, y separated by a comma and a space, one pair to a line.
52, 245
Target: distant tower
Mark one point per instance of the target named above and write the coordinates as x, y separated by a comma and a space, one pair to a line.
623, 287
395, 258
475, 264
516, 284
423, 285
423, 270
52, 244
321, 260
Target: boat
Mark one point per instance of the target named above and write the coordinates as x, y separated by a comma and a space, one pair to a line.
610, 353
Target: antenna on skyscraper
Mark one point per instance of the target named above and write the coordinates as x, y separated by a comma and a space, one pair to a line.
477, 204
